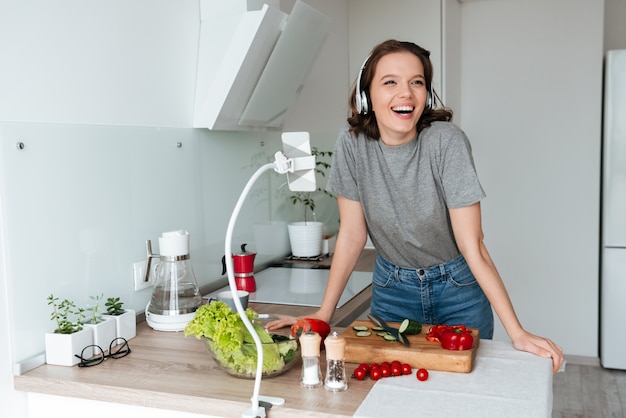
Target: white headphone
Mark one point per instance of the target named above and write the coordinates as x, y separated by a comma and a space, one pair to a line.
362, 101
362, 105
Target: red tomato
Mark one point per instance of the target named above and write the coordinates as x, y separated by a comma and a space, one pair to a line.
359, 373
406, 368
365, 367
421, 374
374, 365
385, 371
396, 369
375, 373
396, 363
385, 364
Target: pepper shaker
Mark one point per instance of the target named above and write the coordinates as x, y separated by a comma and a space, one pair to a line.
336, 380
311, 373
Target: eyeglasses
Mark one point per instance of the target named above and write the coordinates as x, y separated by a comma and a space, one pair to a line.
117, 349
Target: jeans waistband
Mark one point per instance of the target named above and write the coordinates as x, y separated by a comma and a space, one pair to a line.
425, 272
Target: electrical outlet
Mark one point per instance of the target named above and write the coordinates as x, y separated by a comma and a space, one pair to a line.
139, 273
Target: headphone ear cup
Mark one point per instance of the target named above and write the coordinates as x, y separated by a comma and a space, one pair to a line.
361, 100
429, 99
365, 107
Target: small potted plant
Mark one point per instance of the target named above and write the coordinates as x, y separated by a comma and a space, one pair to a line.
125, 320
70, 337
307, 236
104, 329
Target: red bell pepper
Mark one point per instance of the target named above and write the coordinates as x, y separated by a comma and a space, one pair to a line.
310, 324
434, 333
457, 339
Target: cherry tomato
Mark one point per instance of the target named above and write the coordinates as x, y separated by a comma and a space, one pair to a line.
396, 363
374, 365
421, 374
385, 363
359, 373
365, 367
396, 369
406, 368
385, 371
375, 373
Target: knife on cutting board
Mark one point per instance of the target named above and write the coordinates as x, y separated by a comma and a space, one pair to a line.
393, 331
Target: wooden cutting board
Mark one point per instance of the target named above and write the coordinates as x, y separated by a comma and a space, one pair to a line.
421, 354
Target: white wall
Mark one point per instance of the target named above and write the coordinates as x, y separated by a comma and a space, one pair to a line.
531, 105
371, 22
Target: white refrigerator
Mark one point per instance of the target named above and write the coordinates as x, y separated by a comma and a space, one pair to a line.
613, 255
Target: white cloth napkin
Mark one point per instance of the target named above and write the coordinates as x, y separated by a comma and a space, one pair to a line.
503, 383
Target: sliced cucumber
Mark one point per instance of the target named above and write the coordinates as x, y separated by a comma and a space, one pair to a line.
410, 327
378, 329
382, 333
360, 328
363, 333
390, 338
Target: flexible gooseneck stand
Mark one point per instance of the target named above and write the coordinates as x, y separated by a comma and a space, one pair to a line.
281, 165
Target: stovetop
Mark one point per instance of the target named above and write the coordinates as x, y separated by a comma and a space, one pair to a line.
301, 286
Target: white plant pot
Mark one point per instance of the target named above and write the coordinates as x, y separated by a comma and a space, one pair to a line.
126, 324
103, 332
62, 348
306, 238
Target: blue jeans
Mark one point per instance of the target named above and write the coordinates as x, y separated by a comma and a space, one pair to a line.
444, 294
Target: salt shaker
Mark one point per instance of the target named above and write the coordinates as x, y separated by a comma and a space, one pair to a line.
311, 373
336, 380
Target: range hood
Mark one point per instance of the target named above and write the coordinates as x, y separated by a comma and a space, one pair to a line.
252, 62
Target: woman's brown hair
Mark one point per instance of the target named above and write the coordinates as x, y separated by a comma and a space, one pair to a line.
366, 123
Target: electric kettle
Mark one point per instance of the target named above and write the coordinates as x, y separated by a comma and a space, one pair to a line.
176, 296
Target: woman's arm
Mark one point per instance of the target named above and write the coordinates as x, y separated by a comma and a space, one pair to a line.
350, 242
351, 239
467, 227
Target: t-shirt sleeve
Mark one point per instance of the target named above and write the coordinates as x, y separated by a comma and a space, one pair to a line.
342, 178
459, 178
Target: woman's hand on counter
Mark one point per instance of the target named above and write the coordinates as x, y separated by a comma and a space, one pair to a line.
282, 322
542, 347
287, 321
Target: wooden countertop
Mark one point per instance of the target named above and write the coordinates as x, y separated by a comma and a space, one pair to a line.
170, 371
167, 370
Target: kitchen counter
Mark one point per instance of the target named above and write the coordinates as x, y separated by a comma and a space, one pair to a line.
169, 371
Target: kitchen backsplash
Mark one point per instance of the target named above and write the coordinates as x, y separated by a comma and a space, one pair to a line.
81, 200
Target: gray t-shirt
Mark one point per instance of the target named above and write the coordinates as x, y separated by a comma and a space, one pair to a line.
406, 190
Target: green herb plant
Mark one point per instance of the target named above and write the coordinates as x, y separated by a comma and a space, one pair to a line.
307, 198
114, 306
68, 318
95, 318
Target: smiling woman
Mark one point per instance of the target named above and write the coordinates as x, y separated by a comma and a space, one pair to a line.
404, 175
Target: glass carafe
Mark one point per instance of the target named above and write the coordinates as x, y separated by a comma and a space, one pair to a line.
176, 295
